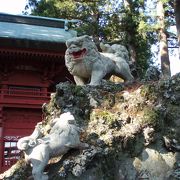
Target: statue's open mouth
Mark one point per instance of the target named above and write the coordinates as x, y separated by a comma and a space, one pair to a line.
78, 54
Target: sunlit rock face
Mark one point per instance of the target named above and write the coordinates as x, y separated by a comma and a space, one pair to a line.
132, 132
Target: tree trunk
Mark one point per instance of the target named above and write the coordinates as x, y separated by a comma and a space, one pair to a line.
177, 17
132, 51
164, 54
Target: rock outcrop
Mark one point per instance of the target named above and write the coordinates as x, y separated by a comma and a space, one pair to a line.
132, 132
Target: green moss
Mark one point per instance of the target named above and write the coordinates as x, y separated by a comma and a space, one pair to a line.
105, 115
149, 92
152, 117
78, 91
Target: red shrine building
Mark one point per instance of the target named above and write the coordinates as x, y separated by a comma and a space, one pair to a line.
31, 64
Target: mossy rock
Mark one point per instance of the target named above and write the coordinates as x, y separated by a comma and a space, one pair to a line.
149, 92
152, 117
106, 115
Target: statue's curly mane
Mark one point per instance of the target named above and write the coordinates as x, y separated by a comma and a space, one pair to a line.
81, 53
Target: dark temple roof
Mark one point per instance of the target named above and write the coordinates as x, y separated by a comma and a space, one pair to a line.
34, 31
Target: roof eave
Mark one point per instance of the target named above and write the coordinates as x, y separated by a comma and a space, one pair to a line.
32, 44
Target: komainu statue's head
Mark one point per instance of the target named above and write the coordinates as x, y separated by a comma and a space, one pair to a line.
80, 48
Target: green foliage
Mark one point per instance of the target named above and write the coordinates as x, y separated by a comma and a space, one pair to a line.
129, 26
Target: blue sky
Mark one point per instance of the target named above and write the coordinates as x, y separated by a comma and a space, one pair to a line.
17, 6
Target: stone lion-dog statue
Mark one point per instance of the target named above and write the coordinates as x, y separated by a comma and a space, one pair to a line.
63, 136
86, 63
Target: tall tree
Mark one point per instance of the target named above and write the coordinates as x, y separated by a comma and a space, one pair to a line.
129, 12
177, 17
163, 45
137, 36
